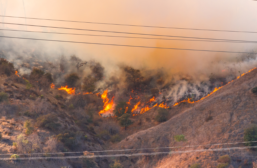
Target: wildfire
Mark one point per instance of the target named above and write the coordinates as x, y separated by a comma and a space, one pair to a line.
108, 106
52, 86
16, 73
68, 90
152, 99
136, 106
87, 93
215, 90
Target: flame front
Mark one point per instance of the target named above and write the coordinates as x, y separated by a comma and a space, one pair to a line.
215, 90
136, 106
108, 106
68, 90
16, 73
52, 86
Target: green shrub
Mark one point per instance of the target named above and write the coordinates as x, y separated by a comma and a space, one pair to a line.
0, 135
89, 163
71, 106
48, 121
28, 84
254, 90
30, 114
196, 165
116, 164
104, 135
29, 129
223, 165
250, 134
15, 156
14, 144
125, 121
121, 108
224, 159
115, 138
162, 115
3, 96
179, 138
68, 139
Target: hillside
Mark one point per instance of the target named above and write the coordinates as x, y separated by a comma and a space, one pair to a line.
220, 118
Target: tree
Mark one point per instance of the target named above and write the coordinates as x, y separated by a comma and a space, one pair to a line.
133, 77
125, 121
121, 108
71, 79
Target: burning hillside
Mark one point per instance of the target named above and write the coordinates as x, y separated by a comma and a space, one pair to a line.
142, 90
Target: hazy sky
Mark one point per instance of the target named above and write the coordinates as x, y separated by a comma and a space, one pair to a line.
230, 14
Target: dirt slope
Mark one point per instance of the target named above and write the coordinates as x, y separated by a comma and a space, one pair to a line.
220, 118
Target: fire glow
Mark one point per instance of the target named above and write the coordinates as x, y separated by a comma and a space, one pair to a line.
108, 106
68, 90
16, 73
52, 86
215, 90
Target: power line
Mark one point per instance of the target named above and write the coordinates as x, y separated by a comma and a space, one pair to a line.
124, 45
117, 32
131, 155
79, 34
125, 150
134, 25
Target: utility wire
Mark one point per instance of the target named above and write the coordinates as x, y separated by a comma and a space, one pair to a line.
124, 45
131, 155
126, 150
78, 34
133, 25
118, 32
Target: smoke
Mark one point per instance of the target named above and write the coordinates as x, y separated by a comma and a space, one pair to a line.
183, 72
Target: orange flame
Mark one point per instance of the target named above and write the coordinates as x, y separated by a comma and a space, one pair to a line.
108, 106
136, 106
52, 86
215, 90
152, 99
129, 100
16, 73
68, 90
87, 93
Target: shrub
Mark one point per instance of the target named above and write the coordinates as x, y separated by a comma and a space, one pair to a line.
48, 121
254, 90
125, 121
104, 135
121, 108
0, 135
6, 67
115, 138
15, 156
68, 139
112, 128
3, 96
89, 84
222, 165
71, 79
162, 115
46, 80
250, 134
224, 159
179, 138
89, 163
196, 165
116, 164
36, 73
71, 106
28, 84
28, 127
